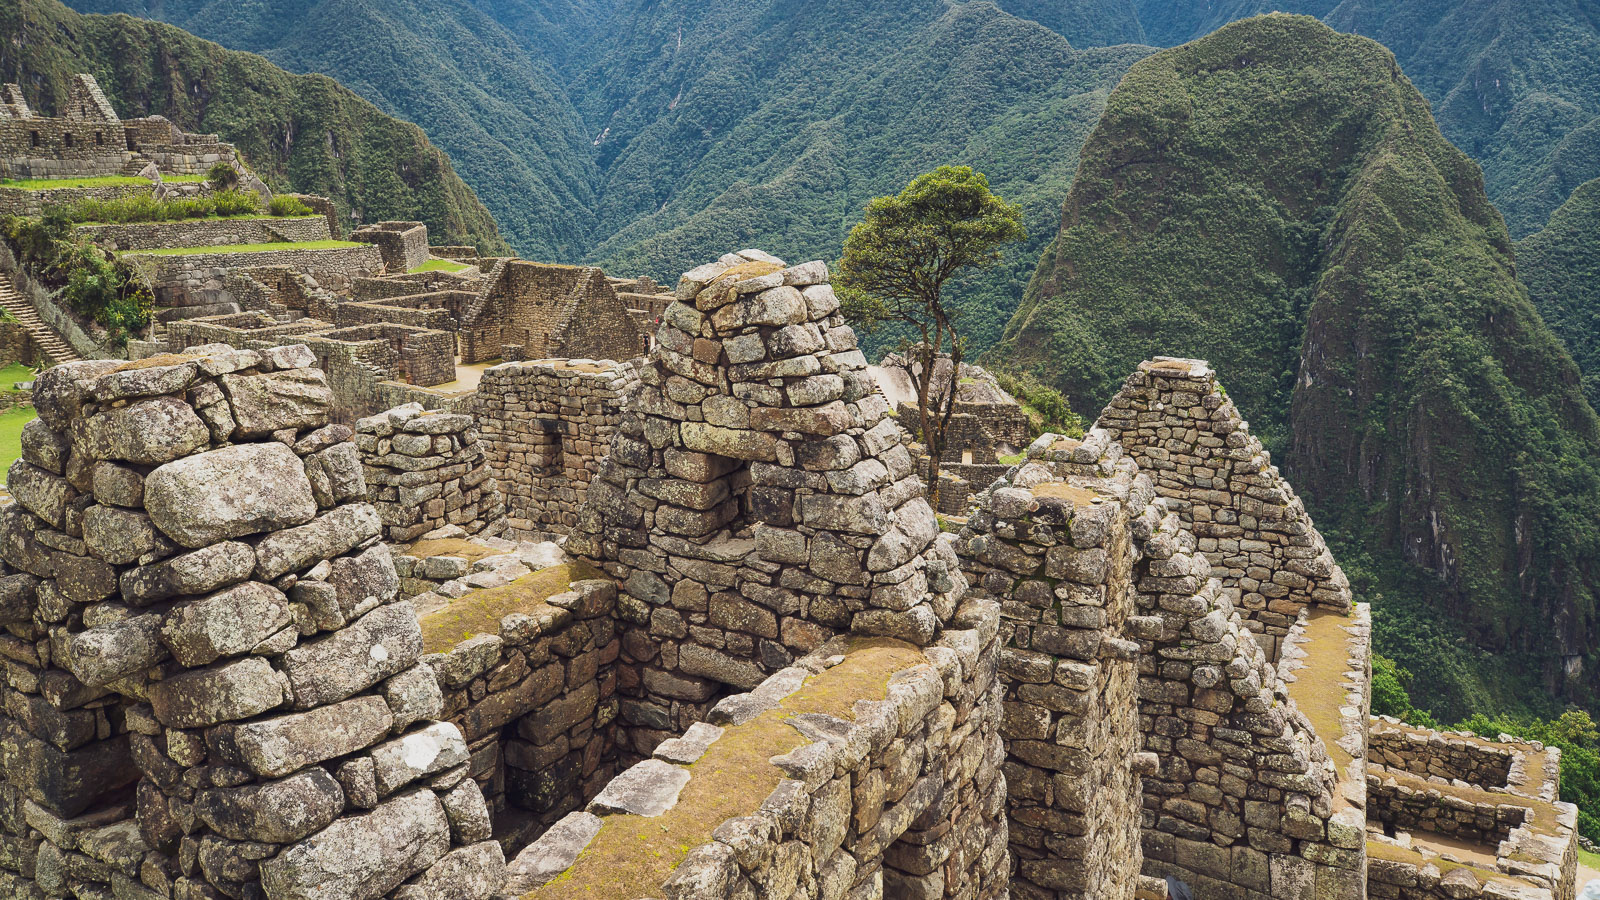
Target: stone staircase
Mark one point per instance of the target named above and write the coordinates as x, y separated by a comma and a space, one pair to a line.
50, 343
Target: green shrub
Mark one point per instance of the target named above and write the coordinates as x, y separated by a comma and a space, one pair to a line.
1391, 693
222, 177
93, 284
236, 203
1047, 408
284, 205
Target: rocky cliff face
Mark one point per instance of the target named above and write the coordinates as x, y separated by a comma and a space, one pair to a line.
1277, 198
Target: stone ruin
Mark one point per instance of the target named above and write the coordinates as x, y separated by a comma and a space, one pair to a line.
250, 654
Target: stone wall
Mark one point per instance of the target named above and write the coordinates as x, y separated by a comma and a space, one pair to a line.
195, 559
192, 285
426, 470
533, 692
1173, 418
21, 201
546, 427
865, 769
757, 499
419, 356
207, 232
1059, 558
436, 309
404, 245
1442, 755
1244, 801
549, 311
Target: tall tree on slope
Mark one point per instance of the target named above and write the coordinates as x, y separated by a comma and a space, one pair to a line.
895, 266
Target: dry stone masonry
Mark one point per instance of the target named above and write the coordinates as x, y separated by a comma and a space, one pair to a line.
757, 499
250, 654
867, 769
192, 543
1179, 426
547, 425
426, 470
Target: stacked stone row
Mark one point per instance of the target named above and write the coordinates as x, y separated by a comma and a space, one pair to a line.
535, 701
1243, 798
426, 470
1173, 418
1434, 755
1060, 562
547, 425
758, 498
194, 537
905, 799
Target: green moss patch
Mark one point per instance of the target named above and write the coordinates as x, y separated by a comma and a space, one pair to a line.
633, 855
480, 612
1319, 687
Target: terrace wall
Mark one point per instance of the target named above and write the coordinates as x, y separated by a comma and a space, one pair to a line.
206, 232
194, 285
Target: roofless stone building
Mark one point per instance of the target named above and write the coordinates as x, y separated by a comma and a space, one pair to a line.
755, 665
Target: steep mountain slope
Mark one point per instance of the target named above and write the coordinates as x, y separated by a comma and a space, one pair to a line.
446, 66
301, 132
1514, 83
1561, 268
1276, 198
739, 123
1086, 23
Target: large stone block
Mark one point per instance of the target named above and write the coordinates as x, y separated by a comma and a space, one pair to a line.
227, 493
379, 644
362, 857
277, 746
225, 693
226, 623
262, 404
276, 812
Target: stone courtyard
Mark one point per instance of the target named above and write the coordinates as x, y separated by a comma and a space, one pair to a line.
393, 571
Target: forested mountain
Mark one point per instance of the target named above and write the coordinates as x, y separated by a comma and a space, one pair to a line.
705, 125
299, 132
444, 65
1514, 83
763, 128
1561, 268
1276, 198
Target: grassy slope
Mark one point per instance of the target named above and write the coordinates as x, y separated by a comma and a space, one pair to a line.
1561, 268
1276, 198
764, 129
444, 65
305, 133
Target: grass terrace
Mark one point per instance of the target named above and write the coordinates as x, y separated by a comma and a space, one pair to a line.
438, 265
247, 248
51, 184
210, 218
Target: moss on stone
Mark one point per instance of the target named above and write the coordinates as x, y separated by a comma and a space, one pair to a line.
471, 551
480, 612
632, 856
1320, 686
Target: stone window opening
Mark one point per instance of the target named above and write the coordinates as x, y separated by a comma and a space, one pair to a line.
99, 138
33, 138
67, 140
966, 456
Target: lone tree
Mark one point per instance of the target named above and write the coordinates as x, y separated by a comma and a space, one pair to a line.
896, 262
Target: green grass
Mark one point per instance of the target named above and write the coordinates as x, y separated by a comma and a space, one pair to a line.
247, 248
12, 374
11, 422
209, 219
50, 184
438, 265
1591, 860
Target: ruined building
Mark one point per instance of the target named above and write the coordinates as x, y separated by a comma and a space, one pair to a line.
685, 626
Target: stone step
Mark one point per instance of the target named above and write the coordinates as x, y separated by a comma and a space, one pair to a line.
52, 344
